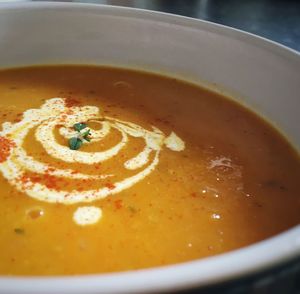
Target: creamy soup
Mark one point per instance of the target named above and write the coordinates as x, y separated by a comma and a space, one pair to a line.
105, 169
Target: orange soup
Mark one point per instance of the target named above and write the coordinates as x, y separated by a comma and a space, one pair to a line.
105, 169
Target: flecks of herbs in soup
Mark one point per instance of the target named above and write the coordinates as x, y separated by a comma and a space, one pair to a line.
164, 172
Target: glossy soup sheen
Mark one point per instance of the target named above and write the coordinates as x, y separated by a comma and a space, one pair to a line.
235, 183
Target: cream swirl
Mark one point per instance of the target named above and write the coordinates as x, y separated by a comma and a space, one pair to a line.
55, 113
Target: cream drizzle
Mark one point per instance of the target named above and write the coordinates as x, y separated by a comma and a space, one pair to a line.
54, 113
87, 215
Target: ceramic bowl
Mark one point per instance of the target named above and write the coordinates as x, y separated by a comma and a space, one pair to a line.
262, 75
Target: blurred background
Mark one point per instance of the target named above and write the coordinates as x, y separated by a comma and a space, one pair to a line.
278, 20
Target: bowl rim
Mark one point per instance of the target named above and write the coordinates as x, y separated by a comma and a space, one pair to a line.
203, 272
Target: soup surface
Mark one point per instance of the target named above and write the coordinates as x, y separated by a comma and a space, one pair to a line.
105, 169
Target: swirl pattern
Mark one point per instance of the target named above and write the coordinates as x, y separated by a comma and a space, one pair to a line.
55, 113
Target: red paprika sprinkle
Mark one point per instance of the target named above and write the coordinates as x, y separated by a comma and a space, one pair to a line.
110, 186
5, 147
118, 204
50, 170
69, 102
50, 181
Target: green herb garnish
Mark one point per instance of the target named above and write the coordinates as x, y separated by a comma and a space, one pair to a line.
85, 135
132, 209
79, 126
19, 231
76, 142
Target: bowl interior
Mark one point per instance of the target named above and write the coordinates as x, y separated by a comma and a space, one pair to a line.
263, 75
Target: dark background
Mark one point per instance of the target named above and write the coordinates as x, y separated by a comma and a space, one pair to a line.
278, 20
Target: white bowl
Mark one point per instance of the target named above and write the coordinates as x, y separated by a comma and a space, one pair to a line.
264, 75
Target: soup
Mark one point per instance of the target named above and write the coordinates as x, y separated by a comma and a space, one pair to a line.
105, 169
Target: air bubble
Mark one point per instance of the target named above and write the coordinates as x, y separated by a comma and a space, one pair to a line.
35, 213
215, 216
